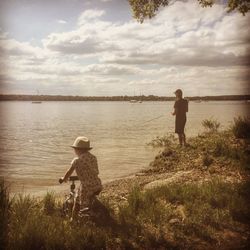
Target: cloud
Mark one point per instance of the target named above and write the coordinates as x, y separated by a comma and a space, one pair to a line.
88, 39
61, 21
208, 38
183, 57
12, 47
109, 69
89, 15
74, 44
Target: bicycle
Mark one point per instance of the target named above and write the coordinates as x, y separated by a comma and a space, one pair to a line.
71, 198
96, 212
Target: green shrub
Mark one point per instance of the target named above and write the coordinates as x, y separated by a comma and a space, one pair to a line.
4, 213
49, 203
241, 128
22, 207
239, 204
222, 147
211, 125
165, 160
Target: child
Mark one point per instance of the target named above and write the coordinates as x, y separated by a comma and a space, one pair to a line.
86, 167
180, 109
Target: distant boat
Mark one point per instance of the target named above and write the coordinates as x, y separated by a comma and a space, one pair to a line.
197, 101
140, 101
133, 101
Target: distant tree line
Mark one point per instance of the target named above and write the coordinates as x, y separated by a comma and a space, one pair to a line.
117, 98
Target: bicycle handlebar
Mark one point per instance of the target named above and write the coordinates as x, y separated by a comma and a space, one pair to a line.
71, 178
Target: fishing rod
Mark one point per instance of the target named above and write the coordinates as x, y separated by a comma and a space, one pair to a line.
152, 119
140, 124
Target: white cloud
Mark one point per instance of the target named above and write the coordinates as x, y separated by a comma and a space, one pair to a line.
90, 15
61, 21
169, 39
109, 69
12, 47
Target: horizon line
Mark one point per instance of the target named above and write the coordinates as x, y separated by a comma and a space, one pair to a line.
55, 95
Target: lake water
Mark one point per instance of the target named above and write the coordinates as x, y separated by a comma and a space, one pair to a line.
35, 138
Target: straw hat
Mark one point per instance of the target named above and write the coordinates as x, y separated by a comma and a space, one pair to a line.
81, 142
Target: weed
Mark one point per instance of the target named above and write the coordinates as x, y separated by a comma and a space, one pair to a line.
165, 141
211, 125
4, 213
241, 128
49, 203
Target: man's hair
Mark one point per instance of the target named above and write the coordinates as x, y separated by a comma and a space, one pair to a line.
178, 92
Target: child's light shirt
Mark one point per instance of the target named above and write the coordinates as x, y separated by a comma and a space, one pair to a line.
86, 168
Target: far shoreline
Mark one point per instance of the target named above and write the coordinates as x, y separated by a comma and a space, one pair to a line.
141, 98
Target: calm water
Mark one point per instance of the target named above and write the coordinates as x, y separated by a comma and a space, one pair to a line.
35, 138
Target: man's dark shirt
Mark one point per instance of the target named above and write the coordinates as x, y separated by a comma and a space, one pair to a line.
181, 107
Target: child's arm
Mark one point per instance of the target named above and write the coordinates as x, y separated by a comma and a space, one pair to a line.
70, 170
68, 173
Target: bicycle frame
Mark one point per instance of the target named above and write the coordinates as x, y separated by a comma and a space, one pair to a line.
71, 198
96, 211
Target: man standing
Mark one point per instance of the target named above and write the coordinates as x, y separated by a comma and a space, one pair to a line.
180, 109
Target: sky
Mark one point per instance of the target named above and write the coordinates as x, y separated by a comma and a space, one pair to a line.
96, 48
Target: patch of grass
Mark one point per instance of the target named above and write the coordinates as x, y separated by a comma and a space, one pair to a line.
30, 223
207, 208
203, 150
166, 160
4, 213
166, 217
239, 205
222, 147
211, 125
241, 128
32, 228
165, 141
49, 203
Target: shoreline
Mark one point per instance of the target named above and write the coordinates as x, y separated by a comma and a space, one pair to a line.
141, 98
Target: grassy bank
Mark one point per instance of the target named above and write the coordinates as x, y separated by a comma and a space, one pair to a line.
168, 217
212, 212
212, 150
